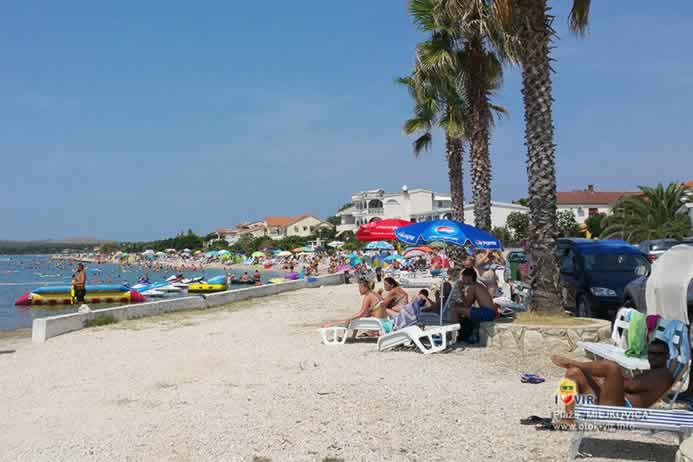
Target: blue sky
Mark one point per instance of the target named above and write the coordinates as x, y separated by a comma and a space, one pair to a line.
136, 120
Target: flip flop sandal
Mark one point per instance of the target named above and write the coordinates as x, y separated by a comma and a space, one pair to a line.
534, 420
531, 378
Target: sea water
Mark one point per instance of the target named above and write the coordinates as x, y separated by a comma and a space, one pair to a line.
21, 274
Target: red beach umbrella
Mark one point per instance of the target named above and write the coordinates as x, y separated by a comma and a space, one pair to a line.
383, 230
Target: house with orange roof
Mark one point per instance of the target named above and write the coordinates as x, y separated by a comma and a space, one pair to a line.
589, 202
279, 227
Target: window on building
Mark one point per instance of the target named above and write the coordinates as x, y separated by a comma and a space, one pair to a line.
440, 204
580, 212
305, 228
296, 228
312, 228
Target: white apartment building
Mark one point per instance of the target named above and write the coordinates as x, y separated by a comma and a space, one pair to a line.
411, 204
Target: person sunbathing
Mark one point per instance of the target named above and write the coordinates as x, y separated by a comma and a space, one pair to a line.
371, 306
605, 381
396, 297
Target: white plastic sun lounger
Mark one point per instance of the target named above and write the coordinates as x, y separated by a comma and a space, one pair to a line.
337, 335
414, 334
592, 417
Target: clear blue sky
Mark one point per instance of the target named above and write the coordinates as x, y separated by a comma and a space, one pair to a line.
134, 120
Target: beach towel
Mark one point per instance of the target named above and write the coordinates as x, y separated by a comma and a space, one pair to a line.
637, 331
651, 323
668, 337
408, 315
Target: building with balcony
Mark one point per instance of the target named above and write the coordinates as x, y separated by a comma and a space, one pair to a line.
411, 204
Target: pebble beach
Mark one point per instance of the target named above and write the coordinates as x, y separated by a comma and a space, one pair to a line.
252, 382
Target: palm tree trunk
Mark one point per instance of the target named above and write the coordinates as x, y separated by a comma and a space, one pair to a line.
455, 154
535, 35
478, 128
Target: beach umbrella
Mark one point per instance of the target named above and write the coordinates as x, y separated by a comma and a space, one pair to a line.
197, 252
307, 249
224, 252
416, 251
187, 250
448, 232
379, 245
211, 253
284, 253
171, 250
391, 258
383, 230
257, 254
161, 254
297, 249
148, 253
335, 244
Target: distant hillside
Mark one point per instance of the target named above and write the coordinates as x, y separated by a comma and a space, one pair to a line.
49, 246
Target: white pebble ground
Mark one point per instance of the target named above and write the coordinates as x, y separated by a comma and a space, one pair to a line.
251, 382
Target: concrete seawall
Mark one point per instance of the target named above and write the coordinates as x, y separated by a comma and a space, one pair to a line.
45, 328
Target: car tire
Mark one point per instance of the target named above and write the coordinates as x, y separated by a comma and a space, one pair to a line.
584, 307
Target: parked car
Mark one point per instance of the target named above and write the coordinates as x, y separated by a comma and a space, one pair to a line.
655, 247
594, 274
634, 294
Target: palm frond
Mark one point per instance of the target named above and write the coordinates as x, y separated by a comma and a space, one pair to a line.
579, 16
421, 12
422, 143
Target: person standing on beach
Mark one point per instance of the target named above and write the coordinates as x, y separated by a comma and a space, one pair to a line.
79, 284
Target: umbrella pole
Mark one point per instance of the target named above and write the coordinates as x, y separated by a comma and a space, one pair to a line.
442, 286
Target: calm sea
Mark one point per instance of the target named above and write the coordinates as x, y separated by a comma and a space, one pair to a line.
21, 274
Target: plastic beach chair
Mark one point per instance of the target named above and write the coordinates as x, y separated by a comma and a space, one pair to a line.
596, 417
592, 417
337, 335
436, 338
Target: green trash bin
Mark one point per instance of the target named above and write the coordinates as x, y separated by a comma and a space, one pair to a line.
515, 259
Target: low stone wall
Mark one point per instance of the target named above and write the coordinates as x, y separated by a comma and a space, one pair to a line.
45, 328
527, 338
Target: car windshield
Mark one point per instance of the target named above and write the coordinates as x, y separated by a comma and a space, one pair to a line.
613, 262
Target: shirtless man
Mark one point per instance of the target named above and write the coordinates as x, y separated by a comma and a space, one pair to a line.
605, 381
474, 293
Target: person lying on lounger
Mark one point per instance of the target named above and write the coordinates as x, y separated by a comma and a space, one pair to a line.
605, 380
371, 306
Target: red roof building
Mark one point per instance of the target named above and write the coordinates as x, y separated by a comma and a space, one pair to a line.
589, 202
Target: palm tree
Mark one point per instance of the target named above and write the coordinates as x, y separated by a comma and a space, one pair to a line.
438, 98
463, 53
482, 76
655, 213
438, 106
521, 30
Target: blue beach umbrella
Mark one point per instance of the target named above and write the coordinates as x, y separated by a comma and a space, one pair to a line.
447, 231
379, 245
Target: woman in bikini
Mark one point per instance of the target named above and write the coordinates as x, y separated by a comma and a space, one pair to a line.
396, 297
371, 306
